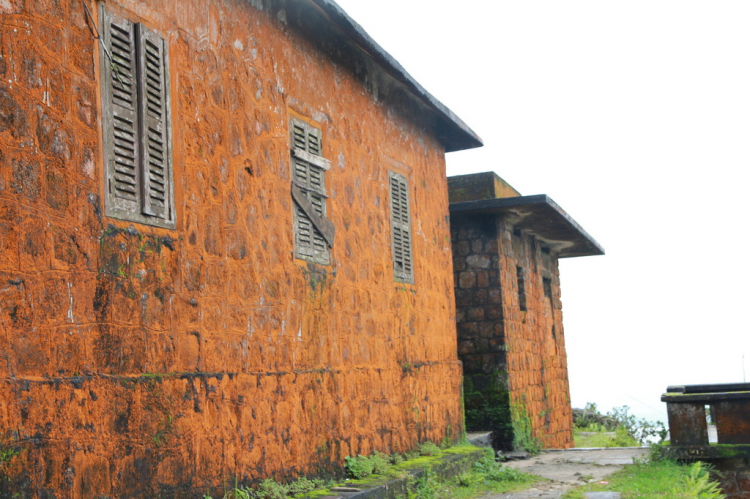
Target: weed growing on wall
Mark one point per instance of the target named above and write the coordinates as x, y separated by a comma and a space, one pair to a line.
523, 437
6, 460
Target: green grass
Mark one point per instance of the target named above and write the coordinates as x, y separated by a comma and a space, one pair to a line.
600, 438
656, 479
486, 476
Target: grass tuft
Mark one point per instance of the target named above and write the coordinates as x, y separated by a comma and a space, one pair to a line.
656, 479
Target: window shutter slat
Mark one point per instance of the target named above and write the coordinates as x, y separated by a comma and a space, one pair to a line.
304, 233
313, 141
153, 132
120, 101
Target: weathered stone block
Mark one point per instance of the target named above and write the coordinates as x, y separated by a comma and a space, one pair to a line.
459, 263
462, 248
467, 329
53, 137
83, 102
56, 187
478, 297
482, 279
26, 178
476, 314
478, 261
13, 115
467, 280
477, 246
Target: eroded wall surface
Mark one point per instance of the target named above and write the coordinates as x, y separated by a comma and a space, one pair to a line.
510, 335
144, 362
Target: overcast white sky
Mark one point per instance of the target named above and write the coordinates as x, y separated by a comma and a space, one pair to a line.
634, 116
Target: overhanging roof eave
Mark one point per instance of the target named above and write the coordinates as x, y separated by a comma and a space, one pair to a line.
456, 135
539, 215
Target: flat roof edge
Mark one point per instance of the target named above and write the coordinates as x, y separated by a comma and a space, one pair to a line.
465, 137
540, 203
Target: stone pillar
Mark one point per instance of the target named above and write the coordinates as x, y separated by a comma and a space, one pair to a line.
510, 335
481, 341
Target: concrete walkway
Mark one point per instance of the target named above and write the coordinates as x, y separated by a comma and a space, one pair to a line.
568, 468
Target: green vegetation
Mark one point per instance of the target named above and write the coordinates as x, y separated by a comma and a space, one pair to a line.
485, 476
7, 454
379, 464
363, 466
617, 428
271, 489
597, 436
523, 438
655, 478
428, 449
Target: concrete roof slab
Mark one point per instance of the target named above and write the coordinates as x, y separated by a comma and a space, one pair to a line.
540, 216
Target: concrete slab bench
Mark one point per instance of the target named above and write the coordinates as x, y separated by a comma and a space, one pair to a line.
730, 410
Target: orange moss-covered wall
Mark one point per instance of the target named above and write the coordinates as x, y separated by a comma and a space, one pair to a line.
537, 362
144, 362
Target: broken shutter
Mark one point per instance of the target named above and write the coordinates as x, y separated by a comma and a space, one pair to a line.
400, 228
121, 105
135, 83
153, 124
314, 233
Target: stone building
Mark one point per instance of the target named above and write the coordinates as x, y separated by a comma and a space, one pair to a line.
508, 311
224, 247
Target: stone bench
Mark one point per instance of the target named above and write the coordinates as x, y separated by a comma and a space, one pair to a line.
730, 410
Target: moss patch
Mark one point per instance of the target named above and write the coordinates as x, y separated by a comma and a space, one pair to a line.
405, 469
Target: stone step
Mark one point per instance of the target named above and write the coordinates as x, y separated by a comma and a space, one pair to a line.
480, 438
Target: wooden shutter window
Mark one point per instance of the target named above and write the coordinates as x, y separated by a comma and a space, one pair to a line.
121, 106
313, 232
153, 129
401, 244
136, 123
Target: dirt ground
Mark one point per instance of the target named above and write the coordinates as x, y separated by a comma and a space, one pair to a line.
567, 468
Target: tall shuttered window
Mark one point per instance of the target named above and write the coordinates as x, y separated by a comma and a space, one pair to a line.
401, 229
313, 231
135, 108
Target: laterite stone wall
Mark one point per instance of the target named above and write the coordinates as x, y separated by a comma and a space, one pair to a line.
515, 369
143, 362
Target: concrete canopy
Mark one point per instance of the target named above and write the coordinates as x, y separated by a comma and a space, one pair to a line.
538, 215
